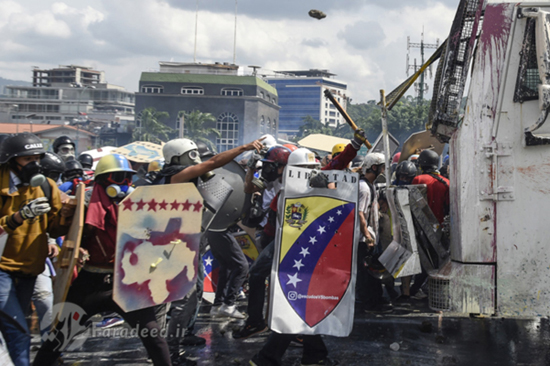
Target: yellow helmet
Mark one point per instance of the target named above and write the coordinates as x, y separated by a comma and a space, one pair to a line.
337, 149
155, 166
113, 163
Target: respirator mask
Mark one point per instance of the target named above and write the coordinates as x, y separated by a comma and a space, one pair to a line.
31, 174
118, 191
270, 172
191, 158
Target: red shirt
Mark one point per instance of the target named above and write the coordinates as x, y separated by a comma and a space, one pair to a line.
437, 192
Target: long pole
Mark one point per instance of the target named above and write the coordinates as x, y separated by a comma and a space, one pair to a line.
235, 37
385, 136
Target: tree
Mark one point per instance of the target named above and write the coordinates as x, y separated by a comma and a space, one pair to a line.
199, 126
312, 126
152, 129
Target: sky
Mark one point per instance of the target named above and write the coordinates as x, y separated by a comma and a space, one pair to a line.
363, 42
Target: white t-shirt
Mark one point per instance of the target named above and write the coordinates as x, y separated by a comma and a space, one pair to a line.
369, 206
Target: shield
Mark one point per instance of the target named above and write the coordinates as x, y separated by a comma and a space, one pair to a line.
99, 153
314, 262
158, 237
140, 151
418, 141
68, 256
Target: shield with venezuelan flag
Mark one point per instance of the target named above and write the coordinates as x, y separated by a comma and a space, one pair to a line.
314, 263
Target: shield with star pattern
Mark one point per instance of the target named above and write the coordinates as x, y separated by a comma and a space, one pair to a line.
313, 268
158, 235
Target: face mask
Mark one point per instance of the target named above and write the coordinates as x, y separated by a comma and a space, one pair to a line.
189, 158
117, 191
31, 174
66, 151
270, 172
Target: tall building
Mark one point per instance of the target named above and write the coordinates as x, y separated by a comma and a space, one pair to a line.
301, 95
70, 95
245, 106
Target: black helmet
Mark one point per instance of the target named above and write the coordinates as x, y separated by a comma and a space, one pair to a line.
405, 171
52, 165
428, 160
73, 169
86, 160
61, 140
23, 144
204, 150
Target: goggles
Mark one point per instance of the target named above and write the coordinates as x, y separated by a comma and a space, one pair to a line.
120, 178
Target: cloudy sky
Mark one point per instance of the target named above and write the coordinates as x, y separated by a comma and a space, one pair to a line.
363, 42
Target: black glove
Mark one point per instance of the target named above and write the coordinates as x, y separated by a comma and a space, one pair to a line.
359, 138
37, 207
318, 180
254, 158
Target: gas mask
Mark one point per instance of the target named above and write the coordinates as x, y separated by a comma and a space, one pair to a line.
118, 191
270, 172
66, 151
31, 174
191, 158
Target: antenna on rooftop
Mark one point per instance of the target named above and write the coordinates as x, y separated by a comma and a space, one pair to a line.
196, 22
235, 37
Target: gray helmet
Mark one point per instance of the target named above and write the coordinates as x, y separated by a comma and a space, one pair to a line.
23, 144
428, 160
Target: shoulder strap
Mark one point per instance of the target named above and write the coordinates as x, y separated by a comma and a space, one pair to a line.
439, 179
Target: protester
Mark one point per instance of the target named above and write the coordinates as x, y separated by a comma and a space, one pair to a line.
64, 146
93, 289
31, 209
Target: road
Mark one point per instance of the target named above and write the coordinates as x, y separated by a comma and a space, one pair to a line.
408, 336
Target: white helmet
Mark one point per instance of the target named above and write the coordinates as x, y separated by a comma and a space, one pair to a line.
269, 141
177, 147
301, 157
372, 159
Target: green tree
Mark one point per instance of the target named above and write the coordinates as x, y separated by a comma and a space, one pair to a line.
312, 126
199, 126
152, 129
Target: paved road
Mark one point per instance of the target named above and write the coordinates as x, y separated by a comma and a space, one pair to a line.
424, 338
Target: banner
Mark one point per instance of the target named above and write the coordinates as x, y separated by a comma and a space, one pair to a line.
314, 264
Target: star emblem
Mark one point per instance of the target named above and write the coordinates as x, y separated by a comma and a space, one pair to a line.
331, 219
304, 252
175, 205
140, 205
312, 240
186, 205
208, 262
128, 204
198, 206
298, 264
293, 279
152, 205
338, 212
321, 229
162, 205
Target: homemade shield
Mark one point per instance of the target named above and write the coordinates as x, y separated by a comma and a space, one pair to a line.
157, 252
141, 151
419, 141
314, 265
68, 256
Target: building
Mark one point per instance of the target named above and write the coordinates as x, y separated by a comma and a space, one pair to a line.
301, 95
245, 106
84, 140
69, 95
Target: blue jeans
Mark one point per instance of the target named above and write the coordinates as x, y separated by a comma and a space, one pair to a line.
15, 298
43, 300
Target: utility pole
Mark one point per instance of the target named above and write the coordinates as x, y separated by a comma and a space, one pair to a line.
420, 86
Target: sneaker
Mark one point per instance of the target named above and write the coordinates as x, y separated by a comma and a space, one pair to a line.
109, 323
324, 362
259, 361
297, 341
249, 330
241, 295
178, 359
215, 310
230, 311
420, 295
192, 340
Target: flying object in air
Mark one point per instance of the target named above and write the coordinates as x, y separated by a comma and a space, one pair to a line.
318, 14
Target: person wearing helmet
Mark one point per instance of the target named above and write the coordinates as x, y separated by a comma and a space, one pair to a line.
437, 186
405, 173
369, 289
74, 174
64, 146
31, 209
92, 290
52, 166
291, 147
